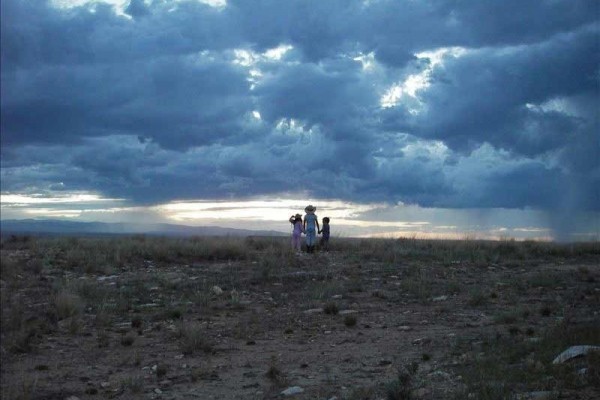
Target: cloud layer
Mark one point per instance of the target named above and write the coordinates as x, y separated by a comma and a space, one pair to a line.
435, 103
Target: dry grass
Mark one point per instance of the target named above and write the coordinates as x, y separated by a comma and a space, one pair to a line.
193, 338
132, 295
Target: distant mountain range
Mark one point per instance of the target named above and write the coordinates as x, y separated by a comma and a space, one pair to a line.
61, 227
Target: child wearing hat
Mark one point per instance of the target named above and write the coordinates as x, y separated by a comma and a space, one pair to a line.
311, 225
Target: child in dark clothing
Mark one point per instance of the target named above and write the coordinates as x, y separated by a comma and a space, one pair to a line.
325, 231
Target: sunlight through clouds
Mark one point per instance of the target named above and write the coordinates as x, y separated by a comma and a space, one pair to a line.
121, 5
253, 61
266, 210
20, 199
409, 88
367, 61
55, 205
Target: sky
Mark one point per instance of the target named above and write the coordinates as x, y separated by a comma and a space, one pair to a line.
422, 118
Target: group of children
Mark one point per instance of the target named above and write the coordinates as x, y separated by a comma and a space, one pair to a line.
310, 227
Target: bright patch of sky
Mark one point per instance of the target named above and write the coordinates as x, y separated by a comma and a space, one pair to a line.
408, 89
292, 126
20, 199
120, 5
55, 205
367, 61
558, 104
252, 61
348, 219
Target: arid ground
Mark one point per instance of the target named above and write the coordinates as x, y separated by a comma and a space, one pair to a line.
247, 318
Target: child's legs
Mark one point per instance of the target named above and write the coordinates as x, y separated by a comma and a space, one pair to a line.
311, 238
296, 242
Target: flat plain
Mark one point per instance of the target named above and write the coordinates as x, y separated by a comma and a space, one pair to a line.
247, 318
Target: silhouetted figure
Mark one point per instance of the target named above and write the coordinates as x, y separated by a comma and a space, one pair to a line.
311, 225
296, 221
324, 243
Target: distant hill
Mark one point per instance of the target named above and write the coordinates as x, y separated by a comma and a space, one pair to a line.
61, 227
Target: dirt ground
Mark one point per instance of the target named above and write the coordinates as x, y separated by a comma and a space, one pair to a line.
333, 324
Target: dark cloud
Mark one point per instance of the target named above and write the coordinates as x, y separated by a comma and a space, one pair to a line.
482, 96
137, 9
515, 22
163, 102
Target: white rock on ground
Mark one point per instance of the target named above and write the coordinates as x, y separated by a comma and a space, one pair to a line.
217, 290
574, 351
292, 390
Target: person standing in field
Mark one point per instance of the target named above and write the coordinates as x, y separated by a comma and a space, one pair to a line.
311, 225
296, 221
324, 243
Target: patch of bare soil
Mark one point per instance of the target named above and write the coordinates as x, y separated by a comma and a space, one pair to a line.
332, 325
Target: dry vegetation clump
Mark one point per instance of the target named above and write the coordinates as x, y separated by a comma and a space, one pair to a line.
331, 308
350, 320
67, 304
193, 338
468, 319
402, 387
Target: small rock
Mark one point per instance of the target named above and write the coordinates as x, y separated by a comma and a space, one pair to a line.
440, 375
440, 298
104, 385
157, 391
217, 290
539, 395
106, 278
404, 328
346, 312
292, 391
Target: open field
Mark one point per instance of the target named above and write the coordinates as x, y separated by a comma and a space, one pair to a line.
234, 318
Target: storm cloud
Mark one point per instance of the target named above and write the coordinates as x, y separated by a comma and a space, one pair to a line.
433, 103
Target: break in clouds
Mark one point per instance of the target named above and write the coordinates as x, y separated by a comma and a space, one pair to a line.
433, 103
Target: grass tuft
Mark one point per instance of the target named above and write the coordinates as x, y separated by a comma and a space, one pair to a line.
193, 338
331, 308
